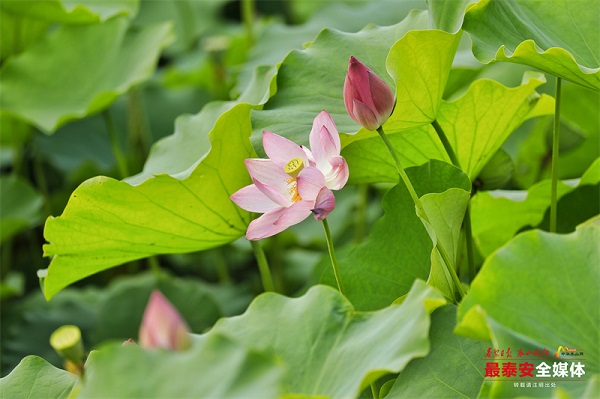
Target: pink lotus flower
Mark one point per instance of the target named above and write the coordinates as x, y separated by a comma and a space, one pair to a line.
163, 326
295, 181
368, 99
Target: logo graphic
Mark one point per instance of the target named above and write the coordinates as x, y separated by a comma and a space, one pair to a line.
565, 350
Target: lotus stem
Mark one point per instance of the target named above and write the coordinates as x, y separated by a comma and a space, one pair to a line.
334, 264
263, 266
555, 145
421, 211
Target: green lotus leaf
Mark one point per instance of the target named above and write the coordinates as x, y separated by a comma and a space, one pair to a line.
178, 153
214, 367
444, 216
498, 215
398, 249
476, 125
419, 63
109, 222
557, 36
531, 267
278, 39
71, 11
36, 378
329, 348
20, 206
18, 32
290, 112
50, 91
447, 15
454, 367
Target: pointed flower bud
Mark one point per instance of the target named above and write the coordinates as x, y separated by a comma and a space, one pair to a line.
368, 99
162, 326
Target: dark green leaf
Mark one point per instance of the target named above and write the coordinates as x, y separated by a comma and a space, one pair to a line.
78, 89
398, 249
20, 206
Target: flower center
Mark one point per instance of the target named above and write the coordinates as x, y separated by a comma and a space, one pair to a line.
294, 167
293, 191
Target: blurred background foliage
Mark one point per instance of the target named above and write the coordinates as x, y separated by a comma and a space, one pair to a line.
206, 57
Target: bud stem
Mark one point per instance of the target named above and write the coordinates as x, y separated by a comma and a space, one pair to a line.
555, 145
421, 211
401, 171
334, 264
116, 145
263, 266
248, 18
449, 150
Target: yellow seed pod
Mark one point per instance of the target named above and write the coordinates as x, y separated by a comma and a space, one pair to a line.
294, 167
66, 341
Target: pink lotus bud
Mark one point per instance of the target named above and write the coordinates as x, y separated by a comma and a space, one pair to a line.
162, 326
368, 99
324, 204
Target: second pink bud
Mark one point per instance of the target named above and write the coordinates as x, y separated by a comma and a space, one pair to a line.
162, 325
368, 99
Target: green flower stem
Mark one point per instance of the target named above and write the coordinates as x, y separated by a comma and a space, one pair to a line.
421, 211
263, 266
221, 264
155, 267
116, 146
402, 173
555, 144
334, 264
138, 124
466, 227
248, 17
449, 150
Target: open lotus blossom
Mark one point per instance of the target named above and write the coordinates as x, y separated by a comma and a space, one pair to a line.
163, 326
295, 181
368, 99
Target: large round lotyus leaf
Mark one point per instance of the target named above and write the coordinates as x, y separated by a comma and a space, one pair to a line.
36, 378
214, 367
557, 36
109, 222
399, 249
69, 11
329, 349
290, 112
47, 88
554, 286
